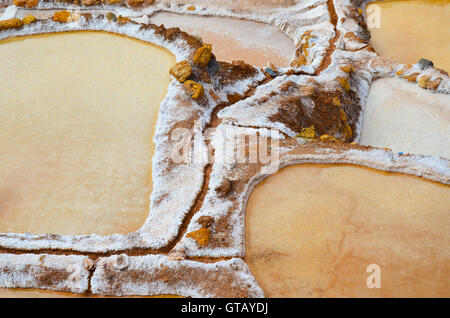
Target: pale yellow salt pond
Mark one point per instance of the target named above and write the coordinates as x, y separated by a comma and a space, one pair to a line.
409, 30
313, 230
77, 117
406, 118
234, 39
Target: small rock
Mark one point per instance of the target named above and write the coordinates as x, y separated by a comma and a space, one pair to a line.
213, 66
10, 24
123, 20
26, 3
90, 2
328, 138
270, 71
61, 16
225, 188
344, 83
336, 101
423, 81
32, 3
307, 91
181, 71
434, 84
424, 64
342, 115
347, 131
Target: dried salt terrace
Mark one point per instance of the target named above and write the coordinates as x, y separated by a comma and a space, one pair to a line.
355, 144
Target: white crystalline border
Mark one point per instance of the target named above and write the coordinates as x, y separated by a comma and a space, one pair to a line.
432, 168
293, 20
165, 218
209, 285
20, 271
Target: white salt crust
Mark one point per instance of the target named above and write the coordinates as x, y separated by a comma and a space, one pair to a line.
53, 272
293, 20
175, 198
161, 280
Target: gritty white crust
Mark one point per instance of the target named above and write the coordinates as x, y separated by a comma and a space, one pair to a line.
53, 272
172, 199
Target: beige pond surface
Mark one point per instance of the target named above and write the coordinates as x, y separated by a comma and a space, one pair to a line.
77, 115
313, 230
409, 30
233, 39
406, 118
